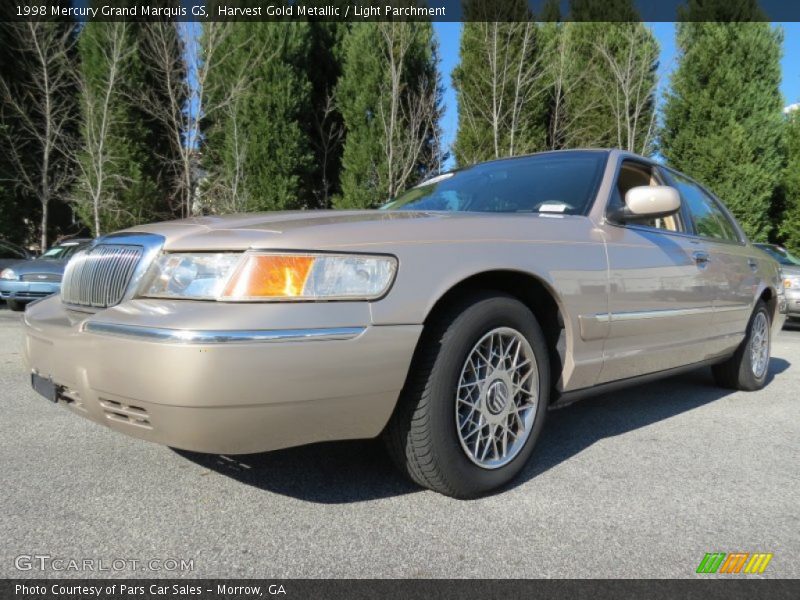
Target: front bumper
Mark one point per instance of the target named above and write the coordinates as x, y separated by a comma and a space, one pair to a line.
26, 291
223, 394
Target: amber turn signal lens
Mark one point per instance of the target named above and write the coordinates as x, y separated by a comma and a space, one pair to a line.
272, 276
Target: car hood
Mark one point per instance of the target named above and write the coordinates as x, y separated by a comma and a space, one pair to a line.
321, 229
39, 265
790, 270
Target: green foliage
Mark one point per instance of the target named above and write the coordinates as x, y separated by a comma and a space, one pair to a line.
255, 142
581, 83
722, 118
607, 61
789, 222
117, 188
391, 127
499, 83
164, 154
324, 125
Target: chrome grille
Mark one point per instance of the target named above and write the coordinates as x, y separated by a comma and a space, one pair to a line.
100, 276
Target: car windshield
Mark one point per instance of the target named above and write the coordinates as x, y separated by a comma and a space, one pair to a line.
61, 252
562, 182
783, 256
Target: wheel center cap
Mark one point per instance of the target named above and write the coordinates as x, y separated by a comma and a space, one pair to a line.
497, 397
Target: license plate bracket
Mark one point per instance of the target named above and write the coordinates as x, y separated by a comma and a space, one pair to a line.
44, 386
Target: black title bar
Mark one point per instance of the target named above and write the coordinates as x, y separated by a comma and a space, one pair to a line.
395, 10
734, 588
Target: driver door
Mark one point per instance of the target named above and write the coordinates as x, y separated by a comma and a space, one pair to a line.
660, 297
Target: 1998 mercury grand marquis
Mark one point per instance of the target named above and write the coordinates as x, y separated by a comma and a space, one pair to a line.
450, 320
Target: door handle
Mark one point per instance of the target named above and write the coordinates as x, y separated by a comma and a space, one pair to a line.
753, 264
701, 258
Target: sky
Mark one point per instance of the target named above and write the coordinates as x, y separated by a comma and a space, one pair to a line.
449, 33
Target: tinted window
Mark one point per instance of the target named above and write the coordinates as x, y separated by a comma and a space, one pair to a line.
781, 255
62, 252
9, 252
558, 182
708, 218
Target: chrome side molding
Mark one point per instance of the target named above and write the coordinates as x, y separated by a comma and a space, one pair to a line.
232, 336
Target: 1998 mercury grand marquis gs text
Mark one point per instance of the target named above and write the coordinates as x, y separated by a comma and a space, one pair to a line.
449, 321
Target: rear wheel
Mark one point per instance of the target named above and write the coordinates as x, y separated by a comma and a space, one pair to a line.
475, 400
15, 305
747, 369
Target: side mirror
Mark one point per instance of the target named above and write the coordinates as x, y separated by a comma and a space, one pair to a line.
646, 202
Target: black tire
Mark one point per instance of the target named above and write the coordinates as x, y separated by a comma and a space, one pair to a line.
737, 373
422, 435
15, 305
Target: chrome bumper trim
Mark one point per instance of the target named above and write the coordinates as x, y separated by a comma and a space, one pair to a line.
240, 336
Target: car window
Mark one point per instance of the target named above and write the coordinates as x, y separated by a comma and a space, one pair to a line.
62, 252
709, 219
634, 174
782, 255
10, 252
564, 182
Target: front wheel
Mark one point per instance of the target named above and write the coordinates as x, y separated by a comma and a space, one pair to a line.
476, 398
747, 369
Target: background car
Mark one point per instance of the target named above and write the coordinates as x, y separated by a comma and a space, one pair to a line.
790, 266
27, 280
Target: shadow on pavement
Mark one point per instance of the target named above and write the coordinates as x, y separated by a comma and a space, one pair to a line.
358, 471
572, 429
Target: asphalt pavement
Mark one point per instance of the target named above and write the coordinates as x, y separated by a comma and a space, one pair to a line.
637, 483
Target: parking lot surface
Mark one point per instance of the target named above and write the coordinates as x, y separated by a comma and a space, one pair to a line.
637, 483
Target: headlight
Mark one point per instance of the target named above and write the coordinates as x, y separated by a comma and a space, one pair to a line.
791, 281
9, 275
257, 276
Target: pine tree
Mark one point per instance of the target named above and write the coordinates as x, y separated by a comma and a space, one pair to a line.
722, 117
117, 187
499, 83
324, 127
256, 145
390, 98
788, 227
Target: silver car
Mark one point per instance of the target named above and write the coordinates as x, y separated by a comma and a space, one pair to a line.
790, 267
449, 322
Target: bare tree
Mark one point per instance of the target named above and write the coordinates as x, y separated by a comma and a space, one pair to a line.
228, 189
101, 120
630, 92
409, 116
328, 139
513, 77
170, 103
39, 147
568, 126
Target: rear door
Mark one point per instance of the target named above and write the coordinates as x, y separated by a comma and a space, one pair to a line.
731, 266
661, 293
